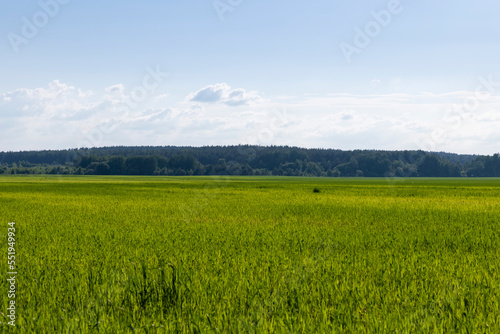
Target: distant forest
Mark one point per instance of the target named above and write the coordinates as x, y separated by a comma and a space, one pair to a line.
248, 160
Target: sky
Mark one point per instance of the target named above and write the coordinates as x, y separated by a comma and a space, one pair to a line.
390, 75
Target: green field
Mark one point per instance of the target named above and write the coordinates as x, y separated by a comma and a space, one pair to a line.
250, 254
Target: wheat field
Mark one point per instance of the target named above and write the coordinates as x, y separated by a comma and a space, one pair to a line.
253, 254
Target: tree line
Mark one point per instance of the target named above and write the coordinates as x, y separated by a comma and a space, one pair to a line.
248, 160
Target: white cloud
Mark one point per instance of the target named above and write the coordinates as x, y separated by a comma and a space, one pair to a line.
115, 91
223, 93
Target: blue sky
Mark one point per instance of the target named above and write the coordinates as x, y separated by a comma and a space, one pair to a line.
251, 72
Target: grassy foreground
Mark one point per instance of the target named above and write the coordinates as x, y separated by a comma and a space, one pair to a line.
256, 255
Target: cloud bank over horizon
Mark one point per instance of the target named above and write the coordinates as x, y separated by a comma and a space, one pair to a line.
60, 115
